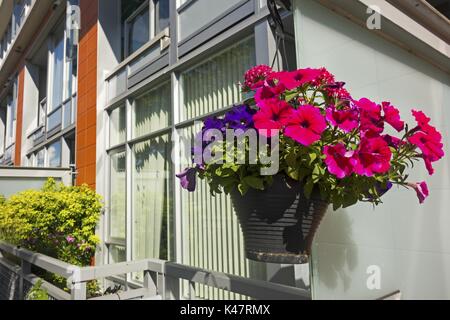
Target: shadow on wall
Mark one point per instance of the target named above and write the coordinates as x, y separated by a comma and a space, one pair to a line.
340, 263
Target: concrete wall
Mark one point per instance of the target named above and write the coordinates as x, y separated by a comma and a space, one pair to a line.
410, 243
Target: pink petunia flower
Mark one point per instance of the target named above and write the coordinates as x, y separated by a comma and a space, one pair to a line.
295, 79
374, 156
392, 116
255, 77
272, 116
346, 119
340, 161
306, 125
421, 190
370, 116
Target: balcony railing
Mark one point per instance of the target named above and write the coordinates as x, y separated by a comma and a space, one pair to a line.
163, 280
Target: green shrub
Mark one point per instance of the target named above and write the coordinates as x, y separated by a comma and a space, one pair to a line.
37, 293
57, 220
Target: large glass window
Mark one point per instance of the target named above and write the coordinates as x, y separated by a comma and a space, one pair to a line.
161, 15
118, 122
138, 29
58, 73
151, 178
117, 203
40, 159
54, 154
142, 20
152, 111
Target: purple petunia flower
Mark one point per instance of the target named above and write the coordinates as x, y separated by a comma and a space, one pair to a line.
188, 179
70, 239
240, 117
213, 123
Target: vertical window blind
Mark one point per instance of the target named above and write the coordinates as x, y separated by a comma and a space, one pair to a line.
214, 84
212, 235
150, 202
117, 210
152, 111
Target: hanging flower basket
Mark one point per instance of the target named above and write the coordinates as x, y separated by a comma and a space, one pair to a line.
299, 144
279, 223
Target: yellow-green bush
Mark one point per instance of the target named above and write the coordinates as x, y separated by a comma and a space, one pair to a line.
57, 220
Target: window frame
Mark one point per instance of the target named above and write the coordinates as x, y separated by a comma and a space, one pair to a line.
149, 5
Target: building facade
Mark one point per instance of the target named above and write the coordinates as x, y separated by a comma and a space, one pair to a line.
113, 86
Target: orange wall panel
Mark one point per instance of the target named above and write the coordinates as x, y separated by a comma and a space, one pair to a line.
87, 94
19, 121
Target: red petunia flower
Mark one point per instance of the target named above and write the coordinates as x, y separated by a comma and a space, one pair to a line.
371, 119
272, 116
306, 125
295, 79
346, 119
340, 161
374, 156
392, 116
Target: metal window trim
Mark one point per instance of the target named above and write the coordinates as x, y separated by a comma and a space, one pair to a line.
232, 16
148, 70
185, 5
49, 139
136, 55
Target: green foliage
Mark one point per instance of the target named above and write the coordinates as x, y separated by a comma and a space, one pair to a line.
37, 293
57, 220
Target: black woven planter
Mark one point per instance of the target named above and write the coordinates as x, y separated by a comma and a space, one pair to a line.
279, 223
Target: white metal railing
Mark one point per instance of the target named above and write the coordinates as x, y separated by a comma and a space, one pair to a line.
162, 279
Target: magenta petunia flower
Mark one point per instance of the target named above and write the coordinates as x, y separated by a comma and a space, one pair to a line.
370, 116
346, 119
392, 116
306, 125
295, 79
421, 118
273, 116
392, 141
255, 77
70, 239
421, 190
429, 144
428, 140
340, 161
374, 156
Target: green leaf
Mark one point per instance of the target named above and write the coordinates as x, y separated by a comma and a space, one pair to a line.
254, 182
308, 188
293, 173
290, 95
243, 188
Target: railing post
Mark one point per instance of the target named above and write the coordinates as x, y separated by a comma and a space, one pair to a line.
150, 280
25, 270
78, 291
78, 288
171, 288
